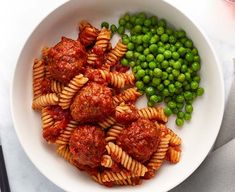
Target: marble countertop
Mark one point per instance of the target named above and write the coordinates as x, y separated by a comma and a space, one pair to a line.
17, 22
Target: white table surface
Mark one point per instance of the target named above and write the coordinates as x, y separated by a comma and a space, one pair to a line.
19, 18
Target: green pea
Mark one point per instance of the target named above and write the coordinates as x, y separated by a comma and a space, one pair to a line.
169, 31
165, 92
181, 77
171, 77
189, 57
113, 28
177, 65
150, 91
150, 104
164, 37
180, 106
152, 65
175, 110
139, 21
157, 72
166, 82
187, 76
188, 43
160, 30
154, 39
188, 108
196, 66
200, 91
105, 24
171, 88
160, 57
144, 65
194, 85
146, 79
169, 70
150, 57
196, 58
160, 87
162, 23
136, 54
175, 55
125, 41
181, 51
129, 54
180, 114
175, 72
194, 51
139, 48
124, 62
165, 64
164, 75
188, 95
187, 116
172, 39
181, 33
197, 78
139, 39
127, 17
146, 51
179, 122
156, 81
161, 50
167, 111
178, 84
154, 98
121, 30
180, 98
171, 104
153, 48
139, 85
130, 46
141, 58
184, 68
167, 54
132, 63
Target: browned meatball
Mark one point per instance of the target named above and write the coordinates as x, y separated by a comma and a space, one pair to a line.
66, 59
87, 144
93, 103
140, 139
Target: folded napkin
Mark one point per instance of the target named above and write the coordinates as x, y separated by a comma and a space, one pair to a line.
216, 174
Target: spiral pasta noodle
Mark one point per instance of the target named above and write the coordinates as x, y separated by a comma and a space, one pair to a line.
159, 156
106, 161
126, 161
175, 139
113, 79
109, 176
69, 91
88, 33
130, 94
173, 155
45, 100
108, 122
129, 78
130, 181
153, 113
38, 76
56, 86
64, 137
113, 133
98, 178
65, 153
92, 58
103, 39
116, 53
47, 119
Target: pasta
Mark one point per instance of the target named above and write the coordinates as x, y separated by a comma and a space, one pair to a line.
69, 91
113, 132
153, 113
173, 155
126, 161
38, 75
108, 122
56, 86
106, 161
65, 153
47, 119
87, 105
45, 100
64, 137
116, 54
159, 156
127, 95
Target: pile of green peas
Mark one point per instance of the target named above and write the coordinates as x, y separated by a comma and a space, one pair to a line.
164, 61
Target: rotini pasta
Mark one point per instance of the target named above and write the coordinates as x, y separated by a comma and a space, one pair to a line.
153, 113
108, 122
129, 78
175, 139
92, 58
98, 178
113, 133
108, 176
127, 95
116, 54
113, 79
45, 100
106, 161
159, 156
47, 119
56, 86
69, 91
130, 181
64, 137
126, 161
65, 153
38, 75
103, 39
173, 155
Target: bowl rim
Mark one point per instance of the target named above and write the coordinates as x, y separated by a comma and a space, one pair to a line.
42, 20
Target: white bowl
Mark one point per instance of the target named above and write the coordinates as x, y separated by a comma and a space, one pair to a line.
198, 135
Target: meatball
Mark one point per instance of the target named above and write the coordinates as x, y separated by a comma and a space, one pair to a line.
140, 139
66, 59
92, 104
87, 144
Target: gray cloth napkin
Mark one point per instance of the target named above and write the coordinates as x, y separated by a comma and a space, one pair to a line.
217, 172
